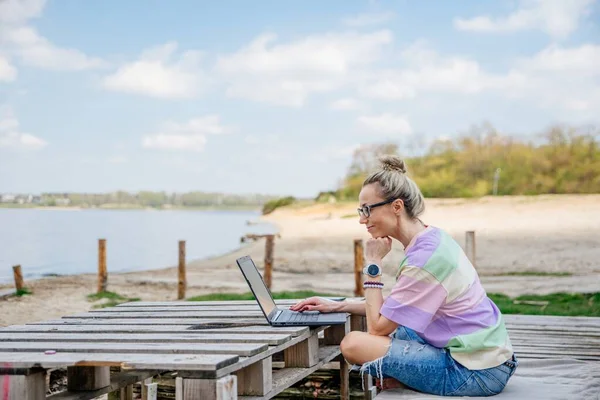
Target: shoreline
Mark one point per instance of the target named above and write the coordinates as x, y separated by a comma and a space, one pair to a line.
550, 234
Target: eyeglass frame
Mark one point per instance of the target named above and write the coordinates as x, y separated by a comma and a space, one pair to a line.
369, 207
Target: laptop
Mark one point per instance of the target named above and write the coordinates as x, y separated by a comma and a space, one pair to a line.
280, 316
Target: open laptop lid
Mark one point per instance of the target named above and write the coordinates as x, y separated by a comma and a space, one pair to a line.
258, 287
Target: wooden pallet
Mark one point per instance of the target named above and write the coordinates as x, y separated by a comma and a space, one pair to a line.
540, 337
219, 350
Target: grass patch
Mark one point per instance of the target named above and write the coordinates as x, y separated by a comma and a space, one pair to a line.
112, 299
563, 304
23, 292
249, 296
534, 273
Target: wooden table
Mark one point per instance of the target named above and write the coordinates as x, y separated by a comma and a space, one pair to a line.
219, 350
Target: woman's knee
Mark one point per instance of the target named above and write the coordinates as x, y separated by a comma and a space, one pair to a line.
349, 344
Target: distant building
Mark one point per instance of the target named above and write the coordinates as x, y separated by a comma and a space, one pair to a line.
8, 198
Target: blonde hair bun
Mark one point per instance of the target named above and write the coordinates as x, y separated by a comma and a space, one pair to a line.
392, 163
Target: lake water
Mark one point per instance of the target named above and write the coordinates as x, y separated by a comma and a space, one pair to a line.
66, 241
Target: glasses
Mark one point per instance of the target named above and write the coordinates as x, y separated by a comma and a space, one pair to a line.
365, 211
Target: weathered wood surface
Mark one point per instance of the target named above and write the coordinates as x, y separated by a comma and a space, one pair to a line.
117, 381
143, 337
172, 362
240, 349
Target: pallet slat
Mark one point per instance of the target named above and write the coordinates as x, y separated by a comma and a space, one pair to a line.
241, 349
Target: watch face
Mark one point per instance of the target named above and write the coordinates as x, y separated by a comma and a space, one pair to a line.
373, 270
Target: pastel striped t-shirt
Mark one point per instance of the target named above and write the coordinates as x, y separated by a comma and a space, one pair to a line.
438, 294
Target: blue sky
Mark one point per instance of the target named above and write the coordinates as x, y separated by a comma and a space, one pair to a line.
270, 96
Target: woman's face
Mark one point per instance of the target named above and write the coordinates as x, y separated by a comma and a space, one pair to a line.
382, 220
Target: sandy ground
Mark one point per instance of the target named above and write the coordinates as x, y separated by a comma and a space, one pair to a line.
315, 251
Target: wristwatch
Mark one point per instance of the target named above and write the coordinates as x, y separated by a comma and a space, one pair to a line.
373, 270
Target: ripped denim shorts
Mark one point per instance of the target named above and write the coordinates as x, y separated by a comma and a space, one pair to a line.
428, 369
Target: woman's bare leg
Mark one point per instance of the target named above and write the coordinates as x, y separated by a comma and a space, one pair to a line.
361, 347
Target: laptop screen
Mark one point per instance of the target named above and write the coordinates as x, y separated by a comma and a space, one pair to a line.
260, 290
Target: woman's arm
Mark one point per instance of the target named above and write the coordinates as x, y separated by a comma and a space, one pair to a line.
377, 324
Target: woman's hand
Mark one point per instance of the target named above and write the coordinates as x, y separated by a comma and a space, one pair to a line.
316, 304
378, 248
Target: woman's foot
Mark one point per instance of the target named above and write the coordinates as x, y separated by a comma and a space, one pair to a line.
389, 383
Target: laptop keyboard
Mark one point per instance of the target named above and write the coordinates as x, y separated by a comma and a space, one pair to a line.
301, 317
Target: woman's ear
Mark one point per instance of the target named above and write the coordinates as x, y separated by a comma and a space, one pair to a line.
398, 206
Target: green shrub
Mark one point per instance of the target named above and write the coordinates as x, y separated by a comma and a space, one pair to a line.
272, 205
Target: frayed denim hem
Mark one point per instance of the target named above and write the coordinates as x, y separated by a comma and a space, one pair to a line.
378, 363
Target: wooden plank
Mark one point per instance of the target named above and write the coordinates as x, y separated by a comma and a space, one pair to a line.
192, 362
335, 333
210, 389
127, 393
286, 377
164, 309
173, 314
244, 362
255, 326
117, 381
256, 379
152, 321
344, 380
144, 337
552, 319
87, 378
241, 349
24, 387
304, 354
279, 302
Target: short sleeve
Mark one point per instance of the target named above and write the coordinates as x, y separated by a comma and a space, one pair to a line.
415, 299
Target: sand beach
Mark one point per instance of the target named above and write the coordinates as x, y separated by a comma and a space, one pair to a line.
548, 234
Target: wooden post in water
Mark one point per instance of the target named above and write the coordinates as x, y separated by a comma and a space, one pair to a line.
359, 262
470, 247
269, 245
18, 277
182, 285
102, 273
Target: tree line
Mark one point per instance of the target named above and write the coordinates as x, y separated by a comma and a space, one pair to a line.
561, 160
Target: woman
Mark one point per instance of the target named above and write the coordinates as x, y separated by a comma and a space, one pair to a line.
437, 332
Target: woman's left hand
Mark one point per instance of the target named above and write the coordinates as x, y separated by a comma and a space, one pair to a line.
377, 248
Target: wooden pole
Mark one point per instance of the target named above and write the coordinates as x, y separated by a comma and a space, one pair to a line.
470, 247
18, 277
269, 245
359, 262
102, 273
182, 281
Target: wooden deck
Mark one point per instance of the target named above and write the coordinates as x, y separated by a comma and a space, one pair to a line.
218, 349
540, 338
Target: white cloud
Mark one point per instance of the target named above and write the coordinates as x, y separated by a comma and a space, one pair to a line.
386, 123
37, 51
369, 19
12, 137
189, 136
286, 74
8, 73
346, 104
557, 18
16, 11
564, 79
160, 73
583, 59
20, 39
426, 71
